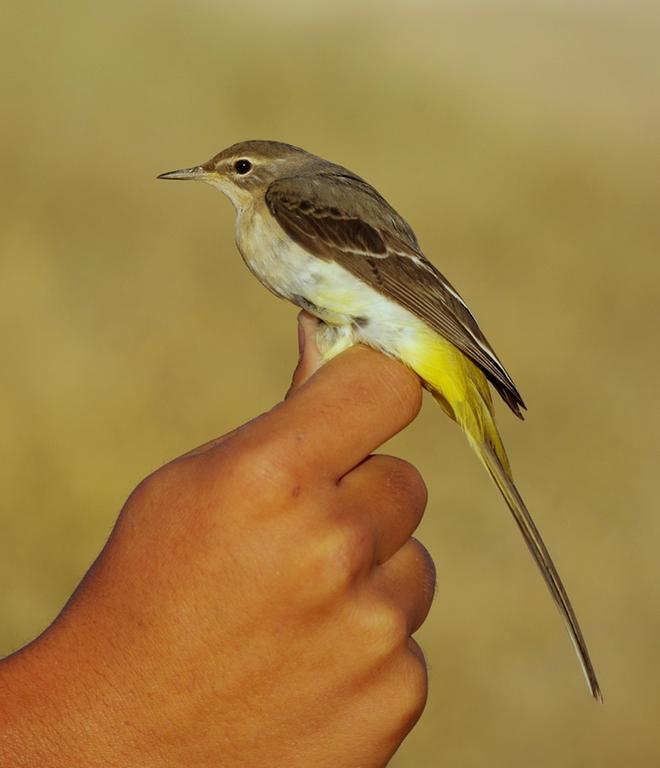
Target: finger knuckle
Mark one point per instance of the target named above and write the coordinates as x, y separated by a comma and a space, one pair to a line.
405, 481
163, 485
387, 629
340, 555
267, 468
414, 685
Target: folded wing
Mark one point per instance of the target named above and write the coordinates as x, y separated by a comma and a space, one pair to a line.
338, 216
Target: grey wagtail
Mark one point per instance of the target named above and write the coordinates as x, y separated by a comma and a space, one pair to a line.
320, 236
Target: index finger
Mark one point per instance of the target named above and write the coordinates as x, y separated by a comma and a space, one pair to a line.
345, 411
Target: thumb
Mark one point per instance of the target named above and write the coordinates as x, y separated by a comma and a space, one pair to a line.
310, 359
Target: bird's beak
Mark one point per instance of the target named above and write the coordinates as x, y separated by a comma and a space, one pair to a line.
197, 173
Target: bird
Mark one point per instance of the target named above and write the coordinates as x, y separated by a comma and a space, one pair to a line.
317, 234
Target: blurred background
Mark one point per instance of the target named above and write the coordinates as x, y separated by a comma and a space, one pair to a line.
522, 142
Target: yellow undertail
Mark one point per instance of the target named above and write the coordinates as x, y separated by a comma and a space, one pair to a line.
462, 390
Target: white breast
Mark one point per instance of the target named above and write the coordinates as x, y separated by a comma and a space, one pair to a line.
322, 286
273, 257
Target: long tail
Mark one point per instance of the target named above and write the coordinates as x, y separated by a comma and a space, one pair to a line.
542, 557
462, 391
470, 405
476, 418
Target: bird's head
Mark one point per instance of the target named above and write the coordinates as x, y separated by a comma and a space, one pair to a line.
245, 170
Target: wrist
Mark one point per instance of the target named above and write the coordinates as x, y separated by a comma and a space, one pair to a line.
58, 710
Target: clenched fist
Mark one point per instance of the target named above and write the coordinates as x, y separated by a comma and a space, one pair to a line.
255, 602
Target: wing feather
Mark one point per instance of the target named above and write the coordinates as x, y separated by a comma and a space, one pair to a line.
338, 216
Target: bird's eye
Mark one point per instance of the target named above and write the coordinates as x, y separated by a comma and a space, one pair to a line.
242, 167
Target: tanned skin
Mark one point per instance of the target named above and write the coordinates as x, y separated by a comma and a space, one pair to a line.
255, 602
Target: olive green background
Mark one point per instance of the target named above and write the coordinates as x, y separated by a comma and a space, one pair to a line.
522, 142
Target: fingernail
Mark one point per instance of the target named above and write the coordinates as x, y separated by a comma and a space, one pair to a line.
301, 338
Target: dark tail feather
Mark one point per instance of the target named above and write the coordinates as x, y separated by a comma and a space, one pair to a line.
542, 557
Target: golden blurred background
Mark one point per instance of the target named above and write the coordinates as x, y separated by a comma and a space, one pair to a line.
522, 142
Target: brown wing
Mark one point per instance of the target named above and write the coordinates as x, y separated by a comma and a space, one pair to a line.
341, 217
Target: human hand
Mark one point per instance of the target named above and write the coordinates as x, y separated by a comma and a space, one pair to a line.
254, 603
